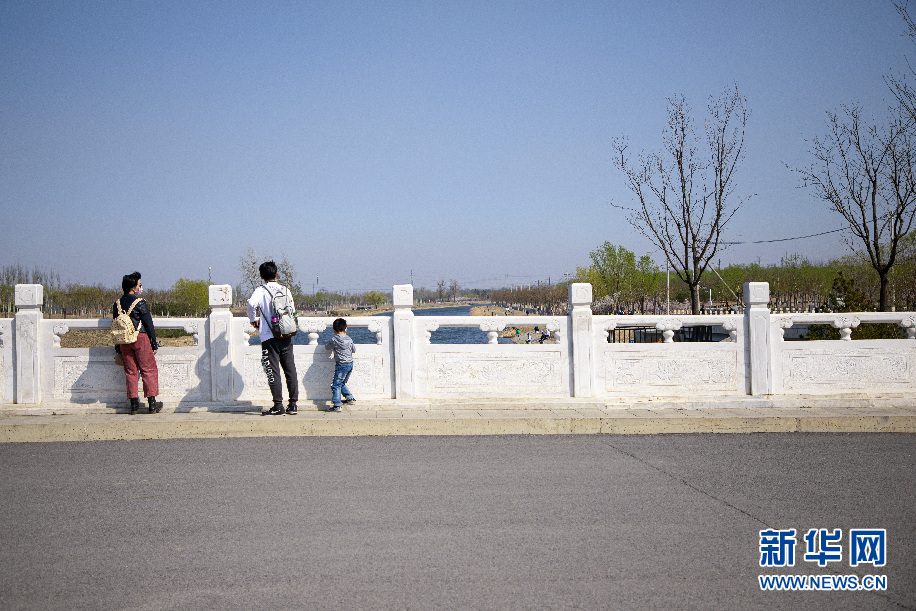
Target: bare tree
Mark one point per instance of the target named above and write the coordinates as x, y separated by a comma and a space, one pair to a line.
251, 278
902, 90
685, 194
440, 288
453, 289
248, 271
866, 173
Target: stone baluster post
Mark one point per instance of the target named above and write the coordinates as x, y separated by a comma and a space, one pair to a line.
757, 334
405, 382
219, 329
580, 301
29, 298
909, 323
846, 324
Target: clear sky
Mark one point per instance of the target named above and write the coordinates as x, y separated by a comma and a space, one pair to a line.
466, 140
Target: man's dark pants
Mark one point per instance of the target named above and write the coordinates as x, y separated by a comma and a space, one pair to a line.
276, 354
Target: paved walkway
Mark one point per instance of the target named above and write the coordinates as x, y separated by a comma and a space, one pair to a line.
846, 414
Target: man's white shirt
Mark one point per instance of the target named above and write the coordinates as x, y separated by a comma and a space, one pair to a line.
261, 298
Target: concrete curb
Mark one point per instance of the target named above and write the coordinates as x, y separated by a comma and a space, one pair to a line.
854, 414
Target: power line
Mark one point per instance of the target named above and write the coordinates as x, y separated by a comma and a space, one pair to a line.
802, 237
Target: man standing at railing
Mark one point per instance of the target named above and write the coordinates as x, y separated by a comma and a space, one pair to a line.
275, 351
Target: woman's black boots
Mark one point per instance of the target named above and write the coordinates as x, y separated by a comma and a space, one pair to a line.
154, 406
134, 406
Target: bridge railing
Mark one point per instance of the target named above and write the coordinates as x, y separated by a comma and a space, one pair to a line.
586, 356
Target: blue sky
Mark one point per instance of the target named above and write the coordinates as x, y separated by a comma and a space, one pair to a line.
368, 140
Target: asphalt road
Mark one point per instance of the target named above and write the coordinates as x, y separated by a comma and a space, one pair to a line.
502, 522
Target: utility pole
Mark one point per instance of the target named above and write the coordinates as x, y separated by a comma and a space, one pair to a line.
667, 288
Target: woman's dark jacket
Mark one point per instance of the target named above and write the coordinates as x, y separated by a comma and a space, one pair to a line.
140, 316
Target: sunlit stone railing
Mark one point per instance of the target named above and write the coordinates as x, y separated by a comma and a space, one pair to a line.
584, 358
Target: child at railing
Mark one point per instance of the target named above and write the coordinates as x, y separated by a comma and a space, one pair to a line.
343, 348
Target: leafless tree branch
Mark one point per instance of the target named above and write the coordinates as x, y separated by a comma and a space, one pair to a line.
685, 198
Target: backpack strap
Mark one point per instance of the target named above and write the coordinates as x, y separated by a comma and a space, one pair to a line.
132, 306
273, 297
260, 311
129, 310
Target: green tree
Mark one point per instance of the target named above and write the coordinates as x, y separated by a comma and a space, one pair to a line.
189, 298
374, 298
613, 269
845, 297
903, 278
615, 273
647, 281
7, 297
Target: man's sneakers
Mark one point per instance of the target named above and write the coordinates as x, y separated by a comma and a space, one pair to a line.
292, 410
277, 410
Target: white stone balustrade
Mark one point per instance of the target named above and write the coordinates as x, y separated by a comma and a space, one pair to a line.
668, 327
846, 324
909, 323
492, 327
224, 364
879, 365
312, 327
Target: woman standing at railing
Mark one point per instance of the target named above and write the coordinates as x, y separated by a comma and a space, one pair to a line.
141, 354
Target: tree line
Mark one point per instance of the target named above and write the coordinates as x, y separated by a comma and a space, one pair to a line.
624, 283
191, 297
621, 282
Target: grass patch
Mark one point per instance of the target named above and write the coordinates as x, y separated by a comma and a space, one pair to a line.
172, 333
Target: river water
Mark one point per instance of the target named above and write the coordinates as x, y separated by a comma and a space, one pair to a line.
445, 335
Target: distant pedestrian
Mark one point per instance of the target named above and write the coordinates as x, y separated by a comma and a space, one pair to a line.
275, 351
139, 355
343, 347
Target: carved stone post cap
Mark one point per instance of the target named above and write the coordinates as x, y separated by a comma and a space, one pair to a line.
220, 295
580, 294
402, 296
29, 296
757, 293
